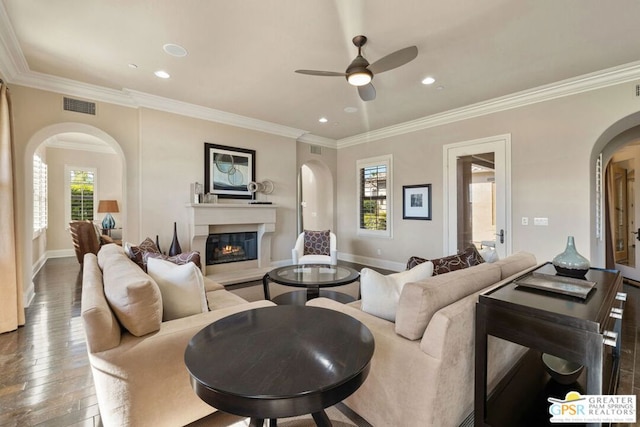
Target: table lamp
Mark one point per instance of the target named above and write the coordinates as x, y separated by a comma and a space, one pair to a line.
108, 206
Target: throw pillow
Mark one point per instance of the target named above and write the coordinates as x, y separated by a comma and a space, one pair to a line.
317, 242
380, 293
468, 258
136, 253
181, 286
180, 259
489, 254
415, 260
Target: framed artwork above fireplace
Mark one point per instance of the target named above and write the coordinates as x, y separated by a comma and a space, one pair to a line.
228, 170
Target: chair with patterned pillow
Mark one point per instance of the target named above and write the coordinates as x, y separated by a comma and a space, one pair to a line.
315, 247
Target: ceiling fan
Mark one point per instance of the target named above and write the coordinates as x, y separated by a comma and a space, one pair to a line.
360, 73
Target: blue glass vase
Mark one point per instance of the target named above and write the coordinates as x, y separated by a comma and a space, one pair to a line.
108, 222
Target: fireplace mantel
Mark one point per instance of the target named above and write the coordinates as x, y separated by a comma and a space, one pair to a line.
205, 218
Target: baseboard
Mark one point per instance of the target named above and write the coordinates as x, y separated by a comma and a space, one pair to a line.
373, 262
61, 253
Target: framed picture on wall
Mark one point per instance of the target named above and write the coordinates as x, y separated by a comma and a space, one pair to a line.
228, 170
416, 201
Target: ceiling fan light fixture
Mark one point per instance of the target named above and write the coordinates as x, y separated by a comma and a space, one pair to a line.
360, 78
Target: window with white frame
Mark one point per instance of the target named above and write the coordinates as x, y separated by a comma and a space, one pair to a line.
374, 196
80, 186
40, 210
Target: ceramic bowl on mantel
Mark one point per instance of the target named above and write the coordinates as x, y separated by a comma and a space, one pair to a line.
570, 262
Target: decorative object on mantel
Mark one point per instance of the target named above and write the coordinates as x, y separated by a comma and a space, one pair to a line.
175, 248
228, 171
264, 187
108, 206
570, 262
158, 244
196, 194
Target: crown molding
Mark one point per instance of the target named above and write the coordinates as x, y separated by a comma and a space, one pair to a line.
147, 100
310, 138
573, 86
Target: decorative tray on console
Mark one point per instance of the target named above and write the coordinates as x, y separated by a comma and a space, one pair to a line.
557, 284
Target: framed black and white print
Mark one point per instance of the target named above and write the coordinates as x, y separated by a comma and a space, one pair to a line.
416, 201
228, 170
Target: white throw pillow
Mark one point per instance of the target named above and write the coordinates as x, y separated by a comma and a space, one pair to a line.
488, 254
181, 286
380, 294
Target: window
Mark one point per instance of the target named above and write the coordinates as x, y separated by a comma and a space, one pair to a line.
40, 214
374, 196
80, 191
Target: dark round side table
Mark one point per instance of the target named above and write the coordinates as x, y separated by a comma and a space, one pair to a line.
277, 362
314, 278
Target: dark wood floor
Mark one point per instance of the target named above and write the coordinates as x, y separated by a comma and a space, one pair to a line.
45, 375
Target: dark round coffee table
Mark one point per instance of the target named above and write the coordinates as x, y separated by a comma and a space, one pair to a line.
312, 277
277, 362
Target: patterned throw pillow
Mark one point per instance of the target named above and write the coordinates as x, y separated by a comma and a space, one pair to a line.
415, 260
468, 258
317, 242
136, 253
180, 259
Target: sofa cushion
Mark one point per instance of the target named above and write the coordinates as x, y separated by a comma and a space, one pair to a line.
136, 253
317, 242
465, 259
101, 327
380, 293
180, 259
419, 301
107, 251
181, 286
133, 295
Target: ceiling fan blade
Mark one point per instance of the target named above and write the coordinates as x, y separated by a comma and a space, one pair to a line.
321, 73
367, 92
394, 60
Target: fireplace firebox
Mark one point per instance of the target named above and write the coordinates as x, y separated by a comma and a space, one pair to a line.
231, 247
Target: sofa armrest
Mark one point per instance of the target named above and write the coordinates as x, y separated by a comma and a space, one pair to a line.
210, 285
400, 372
143, 380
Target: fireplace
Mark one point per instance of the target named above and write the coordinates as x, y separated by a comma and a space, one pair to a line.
231, 247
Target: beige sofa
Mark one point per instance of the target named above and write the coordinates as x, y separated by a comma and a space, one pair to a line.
142, 380
422, 371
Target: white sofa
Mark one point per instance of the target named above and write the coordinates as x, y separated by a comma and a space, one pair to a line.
142, 380
422, 370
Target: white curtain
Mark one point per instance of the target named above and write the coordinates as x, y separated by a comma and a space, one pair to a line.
11, 306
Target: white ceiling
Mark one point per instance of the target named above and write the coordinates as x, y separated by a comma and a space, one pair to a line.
242, 54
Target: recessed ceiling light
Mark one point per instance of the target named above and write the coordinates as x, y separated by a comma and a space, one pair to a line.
323, 120
428, 81
132, 65
175, 50
350, 109
162, 74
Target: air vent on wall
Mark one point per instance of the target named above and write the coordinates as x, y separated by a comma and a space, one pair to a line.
79, 106
316, 149
637, 91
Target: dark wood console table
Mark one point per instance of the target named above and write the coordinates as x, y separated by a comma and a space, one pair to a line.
584, 331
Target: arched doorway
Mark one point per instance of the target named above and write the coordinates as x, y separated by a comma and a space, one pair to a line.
614, 159
47, 134
315, 198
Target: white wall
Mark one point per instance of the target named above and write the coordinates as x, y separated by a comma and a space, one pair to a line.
552, 144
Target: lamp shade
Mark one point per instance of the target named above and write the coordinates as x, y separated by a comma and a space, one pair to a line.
108, 206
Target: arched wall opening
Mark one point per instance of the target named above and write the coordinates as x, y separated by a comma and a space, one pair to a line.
618, 135
36, 140
316, 210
